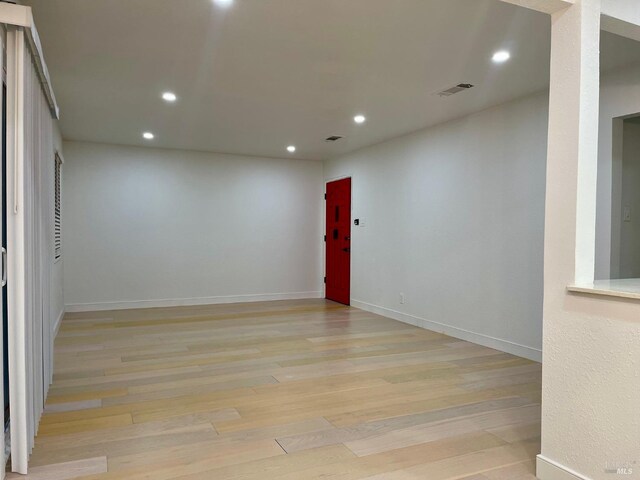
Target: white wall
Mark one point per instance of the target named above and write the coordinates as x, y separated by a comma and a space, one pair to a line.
148, 227
454, 219
590, 384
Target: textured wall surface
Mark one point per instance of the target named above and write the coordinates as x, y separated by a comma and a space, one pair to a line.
591, 354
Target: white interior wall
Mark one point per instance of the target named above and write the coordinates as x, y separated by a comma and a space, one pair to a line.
630, 228
591, 386
151, 227
454, 218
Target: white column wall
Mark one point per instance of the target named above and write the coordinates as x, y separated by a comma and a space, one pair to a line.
591, 359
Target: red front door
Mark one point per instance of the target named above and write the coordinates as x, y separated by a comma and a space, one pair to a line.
338, 269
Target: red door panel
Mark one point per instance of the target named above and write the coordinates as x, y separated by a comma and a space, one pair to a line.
338, 268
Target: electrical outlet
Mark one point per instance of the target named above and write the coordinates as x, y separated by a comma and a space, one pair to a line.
402, 299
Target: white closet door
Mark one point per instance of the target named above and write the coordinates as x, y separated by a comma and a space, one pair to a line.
30, 167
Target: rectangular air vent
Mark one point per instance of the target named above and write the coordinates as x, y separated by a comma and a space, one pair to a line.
333, 138
461, 87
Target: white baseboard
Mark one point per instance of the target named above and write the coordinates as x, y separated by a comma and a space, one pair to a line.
188, 302
547, 469
56, 327
479, 338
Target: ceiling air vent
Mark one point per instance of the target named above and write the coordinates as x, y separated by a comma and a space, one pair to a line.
461, 87
333, 138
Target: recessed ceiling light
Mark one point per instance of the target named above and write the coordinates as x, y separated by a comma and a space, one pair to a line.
501, 56
359, 119
291, 148
223, 3
148, 136
169, 97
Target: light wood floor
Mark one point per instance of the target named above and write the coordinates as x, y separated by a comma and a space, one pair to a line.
281, 390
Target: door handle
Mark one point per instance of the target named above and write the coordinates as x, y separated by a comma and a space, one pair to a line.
4, 266
348, 249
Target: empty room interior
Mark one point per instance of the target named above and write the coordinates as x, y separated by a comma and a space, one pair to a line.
320, 239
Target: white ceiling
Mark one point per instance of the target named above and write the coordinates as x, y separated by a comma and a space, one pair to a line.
264, 74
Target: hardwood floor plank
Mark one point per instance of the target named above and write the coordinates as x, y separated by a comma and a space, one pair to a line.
71, 406
141, 445
520, 471
427, 433
181, 424
84, 395
403, 406
171, 392
181, 460
391, 425
465, 465
280, 430
84, 425
517, 433
174, 464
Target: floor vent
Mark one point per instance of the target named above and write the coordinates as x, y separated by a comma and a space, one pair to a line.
333, 138
461, 87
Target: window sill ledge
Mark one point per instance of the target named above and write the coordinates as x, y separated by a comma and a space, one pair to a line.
624, 288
